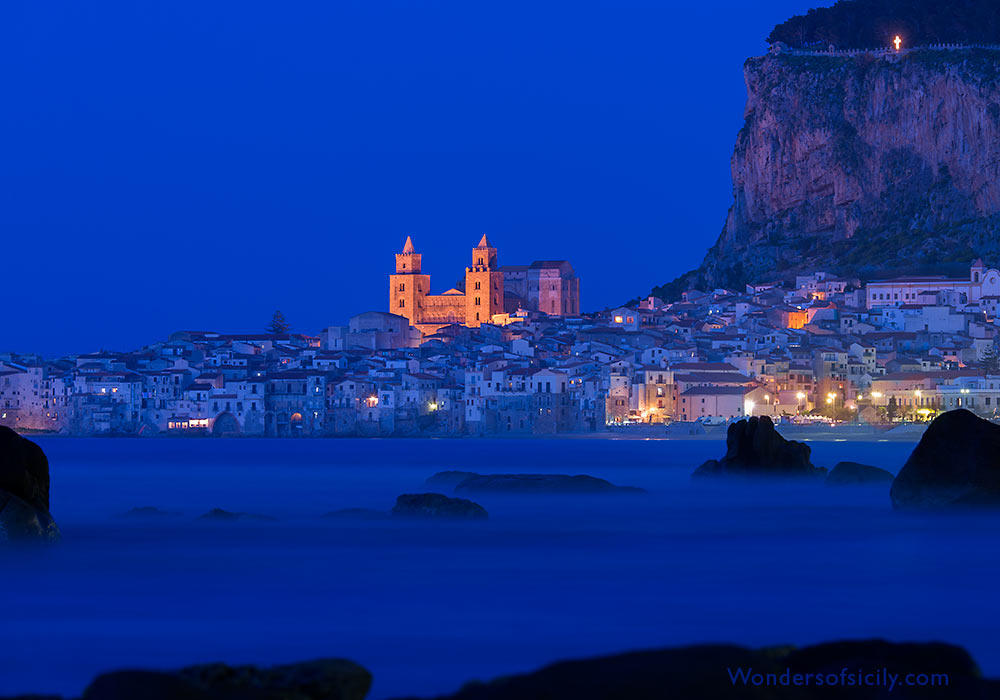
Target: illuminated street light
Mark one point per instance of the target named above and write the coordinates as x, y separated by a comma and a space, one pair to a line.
800, 396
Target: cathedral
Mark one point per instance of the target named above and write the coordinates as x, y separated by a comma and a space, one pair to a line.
488, 292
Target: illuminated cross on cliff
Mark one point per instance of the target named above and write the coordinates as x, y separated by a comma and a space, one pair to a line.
898, 42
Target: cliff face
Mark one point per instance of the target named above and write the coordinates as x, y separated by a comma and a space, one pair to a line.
860, 164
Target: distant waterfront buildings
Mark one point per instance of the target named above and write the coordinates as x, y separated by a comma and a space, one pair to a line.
818, 345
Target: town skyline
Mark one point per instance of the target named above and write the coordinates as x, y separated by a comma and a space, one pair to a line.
822, 347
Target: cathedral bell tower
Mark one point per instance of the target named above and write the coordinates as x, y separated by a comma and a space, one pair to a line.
483, 285
407, 287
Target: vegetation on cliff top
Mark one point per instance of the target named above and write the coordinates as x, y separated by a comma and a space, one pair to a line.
865, 24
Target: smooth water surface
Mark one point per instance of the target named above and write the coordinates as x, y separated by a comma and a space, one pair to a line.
428, 606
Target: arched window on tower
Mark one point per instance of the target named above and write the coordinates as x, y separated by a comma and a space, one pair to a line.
402, 303
402, 286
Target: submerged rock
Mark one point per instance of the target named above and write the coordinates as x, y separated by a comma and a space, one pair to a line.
224, 516
436, 505
755, 448
852, 473
540, 483
956, 462
449, 478
24, 490
323, 679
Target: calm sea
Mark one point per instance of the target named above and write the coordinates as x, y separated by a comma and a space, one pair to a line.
427, 607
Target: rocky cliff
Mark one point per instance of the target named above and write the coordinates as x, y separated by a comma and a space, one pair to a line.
861, 163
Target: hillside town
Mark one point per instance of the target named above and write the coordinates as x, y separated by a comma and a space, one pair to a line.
821, 348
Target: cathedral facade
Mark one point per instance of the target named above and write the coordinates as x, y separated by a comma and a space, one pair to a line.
487, 291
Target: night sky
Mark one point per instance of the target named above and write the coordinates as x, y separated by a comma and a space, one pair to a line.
198, 165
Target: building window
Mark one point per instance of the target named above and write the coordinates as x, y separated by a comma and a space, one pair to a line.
402, 303
477, 285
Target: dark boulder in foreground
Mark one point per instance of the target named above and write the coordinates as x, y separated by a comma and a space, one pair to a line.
871, 669
956, 462
539, 483
24, 490
755, 448
324, 679
436, 505
704, 673
852, 473
219, 515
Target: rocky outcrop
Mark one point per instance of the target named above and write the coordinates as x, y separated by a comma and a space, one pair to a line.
539, 483
436, 505
711, 672
24, 490
956, 462
852, 473
324, 679
755, 448
854, 163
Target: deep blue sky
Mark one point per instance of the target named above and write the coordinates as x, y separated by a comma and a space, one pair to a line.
199, 164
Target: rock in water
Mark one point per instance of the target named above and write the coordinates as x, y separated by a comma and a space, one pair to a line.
754, 448
956, 462
323, 679
24, 490
149, 685
219, 515
436, 505
711, 672
850, 473
449, 478
24, 469
540, 483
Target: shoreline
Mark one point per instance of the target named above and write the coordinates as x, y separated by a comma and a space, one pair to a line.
659, 432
